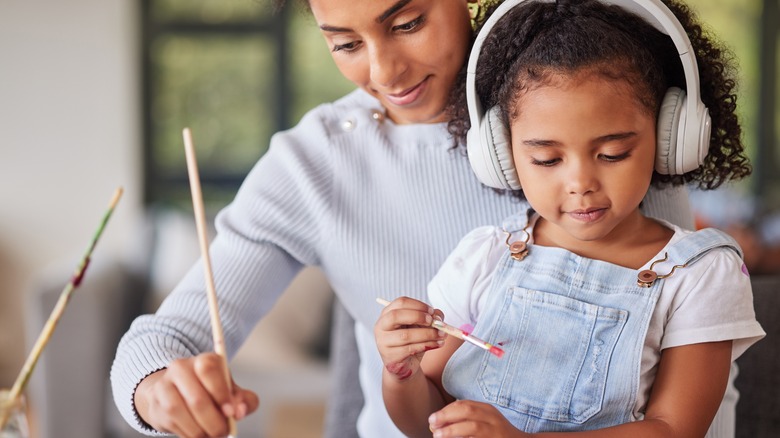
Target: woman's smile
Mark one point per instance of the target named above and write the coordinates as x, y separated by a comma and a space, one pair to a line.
408, 96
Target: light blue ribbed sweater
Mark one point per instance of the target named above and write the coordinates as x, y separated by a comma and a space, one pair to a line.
377, 206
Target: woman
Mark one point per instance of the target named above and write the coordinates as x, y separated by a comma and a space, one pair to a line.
369, 188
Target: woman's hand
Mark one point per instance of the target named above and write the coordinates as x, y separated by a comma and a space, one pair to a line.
191, 398
472, 419
403, 334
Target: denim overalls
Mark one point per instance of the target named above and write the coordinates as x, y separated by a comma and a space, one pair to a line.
572, 329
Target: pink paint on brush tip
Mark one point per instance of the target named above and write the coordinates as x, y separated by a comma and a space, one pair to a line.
468, 328
496, 351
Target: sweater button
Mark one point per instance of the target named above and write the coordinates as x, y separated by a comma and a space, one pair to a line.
377, 115
348, 125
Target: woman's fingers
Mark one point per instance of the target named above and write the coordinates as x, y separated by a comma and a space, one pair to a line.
244, 402
204, 392
169, 412
192, 398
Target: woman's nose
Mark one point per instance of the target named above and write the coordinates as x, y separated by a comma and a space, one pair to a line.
387, 64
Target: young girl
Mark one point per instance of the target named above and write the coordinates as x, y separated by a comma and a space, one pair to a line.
611, 323
368, 188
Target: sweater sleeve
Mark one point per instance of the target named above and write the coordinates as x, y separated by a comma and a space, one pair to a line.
264, 237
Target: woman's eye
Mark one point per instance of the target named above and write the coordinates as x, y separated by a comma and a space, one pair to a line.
410, 26
347, 47
544, 163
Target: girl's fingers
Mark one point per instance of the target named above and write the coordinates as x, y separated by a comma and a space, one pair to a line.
413, 336
403, 333
393, 319
467, 418
404, 329
409, 303
456, 412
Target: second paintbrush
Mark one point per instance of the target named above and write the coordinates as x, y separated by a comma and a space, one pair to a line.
458, 333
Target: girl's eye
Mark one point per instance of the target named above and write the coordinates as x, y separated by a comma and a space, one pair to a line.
545, 163
410, 26
614, 158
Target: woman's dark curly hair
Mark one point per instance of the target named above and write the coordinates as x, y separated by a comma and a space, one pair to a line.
538, 40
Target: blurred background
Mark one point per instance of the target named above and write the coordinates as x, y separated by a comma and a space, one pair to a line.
94, 94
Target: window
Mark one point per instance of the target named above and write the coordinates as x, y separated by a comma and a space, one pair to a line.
750, 29
235, 72
768, 125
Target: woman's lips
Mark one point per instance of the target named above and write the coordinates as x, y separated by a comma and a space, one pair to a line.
589, 215
407, 96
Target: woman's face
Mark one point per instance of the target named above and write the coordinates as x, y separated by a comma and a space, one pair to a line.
406, 53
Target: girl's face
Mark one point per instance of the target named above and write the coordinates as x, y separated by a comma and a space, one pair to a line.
584, 149
406, 53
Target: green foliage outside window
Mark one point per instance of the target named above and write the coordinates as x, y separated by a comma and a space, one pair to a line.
734, 23
215, 66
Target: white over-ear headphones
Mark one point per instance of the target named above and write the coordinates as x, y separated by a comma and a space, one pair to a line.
683, 126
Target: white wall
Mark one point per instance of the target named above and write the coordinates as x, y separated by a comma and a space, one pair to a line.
69, 136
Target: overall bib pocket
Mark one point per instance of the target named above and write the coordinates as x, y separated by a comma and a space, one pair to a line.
558, 351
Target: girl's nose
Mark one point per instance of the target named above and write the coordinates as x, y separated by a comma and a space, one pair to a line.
582, 179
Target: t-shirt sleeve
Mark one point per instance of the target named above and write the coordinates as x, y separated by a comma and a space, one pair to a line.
716, 305
459, 288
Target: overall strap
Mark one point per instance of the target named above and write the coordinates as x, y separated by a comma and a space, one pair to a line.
693, 246
518, 221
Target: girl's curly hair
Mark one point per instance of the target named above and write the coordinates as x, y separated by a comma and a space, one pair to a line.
537, 40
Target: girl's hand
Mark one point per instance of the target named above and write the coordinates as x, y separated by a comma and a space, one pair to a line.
403, 334
191, 398
466, 418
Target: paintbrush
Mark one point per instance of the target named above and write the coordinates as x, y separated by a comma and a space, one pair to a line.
200, 222
56, 314
458, 333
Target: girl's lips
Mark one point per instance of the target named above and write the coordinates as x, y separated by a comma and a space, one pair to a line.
407, 96
590, 215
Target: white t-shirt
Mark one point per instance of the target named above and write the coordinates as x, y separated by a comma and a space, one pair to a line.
708, 301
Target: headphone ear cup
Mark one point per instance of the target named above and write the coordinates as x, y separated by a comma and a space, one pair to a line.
489, 149
668, 135
501, 145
